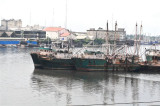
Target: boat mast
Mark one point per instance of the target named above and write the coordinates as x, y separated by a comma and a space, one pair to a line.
115, 37
139, 41
135, 41
107, 38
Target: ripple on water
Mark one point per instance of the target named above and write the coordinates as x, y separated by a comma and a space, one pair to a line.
19, 85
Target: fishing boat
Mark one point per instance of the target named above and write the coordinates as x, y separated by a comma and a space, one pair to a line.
106, 63
52, 59
152, 63
90, 61
98, 61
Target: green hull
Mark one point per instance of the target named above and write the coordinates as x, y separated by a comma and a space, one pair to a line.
36, 60
55, 64
90, 64
152, 64
150, 68
58, 64
81, 64
102, 65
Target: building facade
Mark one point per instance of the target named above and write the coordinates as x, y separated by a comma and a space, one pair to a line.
101, 33
23, 35
57, 33
11, 24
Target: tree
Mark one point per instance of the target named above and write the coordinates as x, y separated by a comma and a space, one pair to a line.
99, 41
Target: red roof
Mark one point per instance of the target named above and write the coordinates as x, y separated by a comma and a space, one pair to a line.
65, 34
53, 29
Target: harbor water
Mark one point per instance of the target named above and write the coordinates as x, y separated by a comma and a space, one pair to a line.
22, 85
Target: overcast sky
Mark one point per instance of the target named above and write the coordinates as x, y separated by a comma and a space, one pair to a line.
85, 14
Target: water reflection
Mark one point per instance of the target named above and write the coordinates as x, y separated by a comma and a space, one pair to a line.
20, 86
82, 88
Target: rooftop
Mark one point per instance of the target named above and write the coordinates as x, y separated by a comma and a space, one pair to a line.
65, 34
54, 29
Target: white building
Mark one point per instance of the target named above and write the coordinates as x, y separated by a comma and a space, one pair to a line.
57, 33
82, 35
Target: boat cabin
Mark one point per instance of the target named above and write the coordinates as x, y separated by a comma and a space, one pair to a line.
46, 51
152, 55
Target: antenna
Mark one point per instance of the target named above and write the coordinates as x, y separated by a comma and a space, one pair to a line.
45, 22
112, 21
66, 16
1, 20
107, 25
53, 17
30, 18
